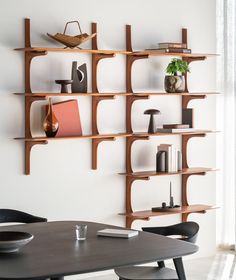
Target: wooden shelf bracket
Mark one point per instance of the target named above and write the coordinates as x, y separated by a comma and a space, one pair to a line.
188, 59
129, 209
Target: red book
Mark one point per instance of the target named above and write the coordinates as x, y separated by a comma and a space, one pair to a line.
67, 114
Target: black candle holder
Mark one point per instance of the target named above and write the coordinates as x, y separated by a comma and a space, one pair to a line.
64, 84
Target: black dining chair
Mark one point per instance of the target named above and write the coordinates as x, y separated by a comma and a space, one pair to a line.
15, 216
187, 231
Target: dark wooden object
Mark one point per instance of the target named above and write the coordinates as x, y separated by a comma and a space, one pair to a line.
96, 99
71, 257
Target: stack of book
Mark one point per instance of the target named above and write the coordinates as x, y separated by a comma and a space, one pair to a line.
168, 158
171, 48
175, 128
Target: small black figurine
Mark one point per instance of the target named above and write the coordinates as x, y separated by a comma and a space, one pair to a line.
152, 125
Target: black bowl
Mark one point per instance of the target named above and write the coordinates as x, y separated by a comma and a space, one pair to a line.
11, 241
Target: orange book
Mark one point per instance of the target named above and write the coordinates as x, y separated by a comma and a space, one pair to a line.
67, 114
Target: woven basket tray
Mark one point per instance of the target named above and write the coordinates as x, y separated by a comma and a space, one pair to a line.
71, 41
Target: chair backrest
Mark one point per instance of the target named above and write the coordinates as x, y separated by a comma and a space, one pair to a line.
15, 216
188, 231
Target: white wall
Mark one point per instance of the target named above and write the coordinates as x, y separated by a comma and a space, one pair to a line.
62, 184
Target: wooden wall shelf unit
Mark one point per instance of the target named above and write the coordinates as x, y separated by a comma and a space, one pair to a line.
132, 176
129, 134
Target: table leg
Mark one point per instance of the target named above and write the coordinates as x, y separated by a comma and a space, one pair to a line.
179, 268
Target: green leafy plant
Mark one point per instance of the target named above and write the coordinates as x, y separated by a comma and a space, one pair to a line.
177, 66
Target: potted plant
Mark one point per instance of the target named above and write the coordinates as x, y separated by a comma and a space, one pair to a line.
175, 82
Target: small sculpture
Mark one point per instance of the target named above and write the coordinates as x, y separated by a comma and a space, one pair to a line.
164, 207
152, 125
72, 41
64, 83
79, 77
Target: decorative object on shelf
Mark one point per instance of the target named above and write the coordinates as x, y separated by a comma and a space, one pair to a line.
152, 125
161, 161
172, 45
79, 77
174, 82
164, 207
187, 116
171, 48
72, 41
64, 84
172, 161
175, 125
67, 114
50, 124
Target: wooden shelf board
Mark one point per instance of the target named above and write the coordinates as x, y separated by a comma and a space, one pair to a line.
51, 49
99, 136
184, 209
53, 94
192, 170
156, 53
113, 135
176, 94
174, 133
42, 94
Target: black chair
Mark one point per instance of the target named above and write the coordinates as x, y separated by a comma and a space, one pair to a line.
15, 216
188, 232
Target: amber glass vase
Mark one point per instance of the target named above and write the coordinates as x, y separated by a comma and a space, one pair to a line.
50, 123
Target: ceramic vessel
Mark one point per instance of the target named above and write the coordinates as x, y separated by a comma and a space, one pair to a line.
50, 124
174, 84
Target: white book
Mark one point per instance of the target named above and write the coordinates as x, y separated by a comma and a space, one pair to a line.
123, 233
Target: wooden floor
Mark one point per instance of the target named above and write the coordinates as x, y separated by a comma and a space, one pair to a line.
220, 267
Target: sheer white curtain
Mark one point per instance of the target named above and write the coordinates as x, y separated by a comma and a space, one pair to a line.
226, 78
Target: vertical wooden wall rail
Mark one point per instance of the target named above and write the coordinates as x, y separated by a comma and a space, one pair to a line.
96, 57
130, 58
29, 55
129, 63
188, 59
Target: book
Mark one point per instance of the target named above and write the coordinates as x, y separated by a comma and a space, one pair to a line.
168, 156
123, 233
172, 45
179, 159
170, 50
67, 114
175, 130
175, 125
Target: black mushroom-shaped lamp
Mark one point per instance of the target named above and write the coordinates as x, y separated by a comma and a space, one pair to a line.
152, 125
